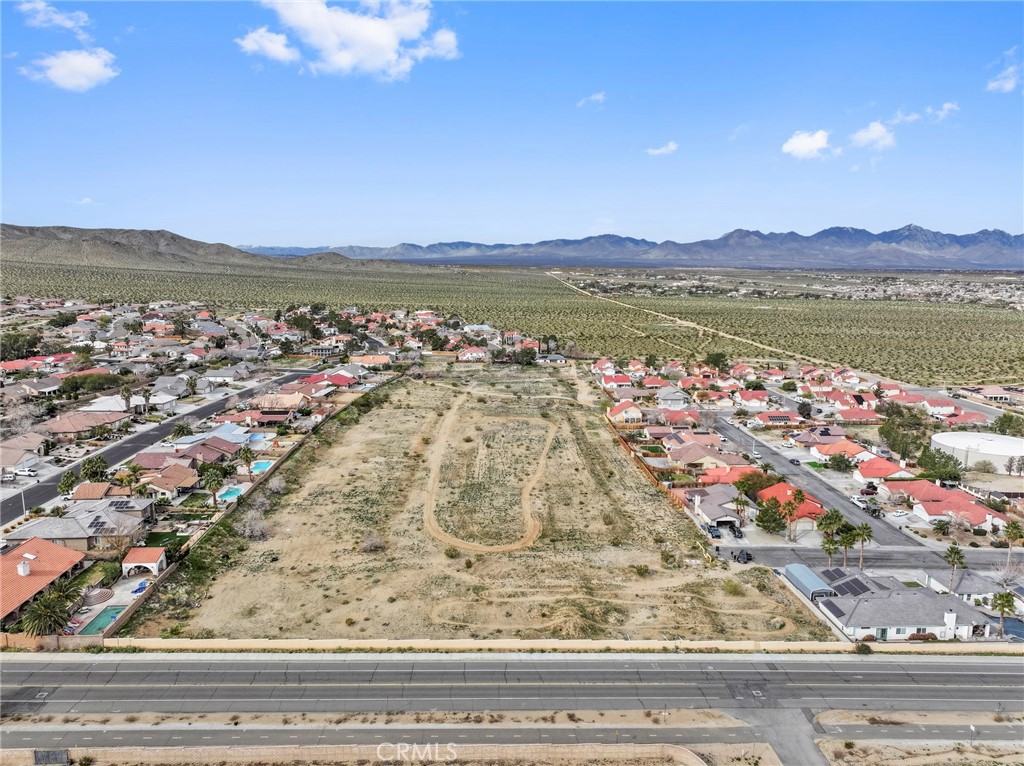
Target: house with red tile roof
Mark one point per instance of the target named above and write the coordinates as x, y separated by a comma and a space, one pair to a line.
27, 570
617, 380
778, 419
807, 512
729, 474
626, 413
752, 400
846, 447
858, 415
878, 468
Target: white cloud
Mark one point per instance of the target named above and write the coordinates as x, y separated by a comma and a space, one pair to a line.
805, 145
875, 136
669, 148
41, 14
944, 111
1008, 78
373, 38
902, 117
266, 43
738, 131
83, 201
593, 98
74, 70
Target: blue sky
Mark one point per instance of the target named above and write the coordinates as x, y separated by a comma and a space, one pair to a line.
307, 123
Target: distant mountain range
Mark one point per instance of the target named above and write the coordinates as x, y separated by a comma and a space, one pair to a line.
911, 247
834, 249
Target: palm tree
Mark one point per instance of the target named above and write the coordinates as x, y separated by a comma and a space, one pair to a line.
830, 522
181, 429
45, 616
742, 504
147, 394
213, 481
132, 472
941, 526
789, 509
1004, 604
831, 547
864, 533
190, 386
1012, 532
954, 556
247, 456
847, 540
65, 590
126, 395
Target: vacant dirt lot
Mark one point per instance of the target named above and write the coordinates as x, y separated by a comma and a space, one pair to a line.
481, 503
923, 754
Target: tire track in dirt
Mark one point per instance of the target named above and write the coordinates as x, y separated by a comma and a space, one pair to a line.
532, 524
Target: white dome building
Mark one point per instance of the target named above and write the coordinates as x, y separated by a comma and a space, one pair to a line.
971, 447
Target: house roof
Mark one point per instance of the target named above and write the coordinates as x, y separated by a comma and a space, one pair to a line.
94, 490
842, 447
810, 508
143, 555
878, 468
77, 422
858, 413
618, 409
729, 474
910, 608
50, 562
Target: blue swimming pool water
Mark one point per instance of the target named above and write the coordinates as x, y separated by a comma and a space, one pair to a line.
261, 465
230, 494
102, 621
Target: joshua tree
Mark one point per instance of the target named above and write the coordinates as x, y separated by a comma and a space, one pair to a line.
1004, 604
954, 556
864, 534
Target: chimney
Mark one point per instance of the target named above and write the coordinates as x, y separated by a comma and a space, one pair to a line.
23, 568
949, 618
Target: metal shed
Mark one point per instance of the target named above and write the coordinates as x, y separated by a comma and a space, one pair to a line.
807, 582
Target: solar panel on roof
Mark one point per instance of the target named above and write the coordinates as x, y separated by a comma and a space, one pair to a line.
832, 574
832, 609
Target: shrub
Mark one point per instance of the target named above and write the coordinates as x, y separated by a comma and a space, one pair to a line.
848, 745
452, 552
868, 637
922, 637
973, 544
862, 648
979, 532
469, 563
641, 569
732, 588
373, 543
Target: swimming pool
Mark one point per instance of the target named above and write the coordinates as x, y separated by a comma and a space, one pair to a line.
102, 621
229, 494
261, 465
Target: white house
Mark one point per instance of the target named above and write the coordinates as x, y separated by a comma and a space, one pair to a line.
898, 614
671, 398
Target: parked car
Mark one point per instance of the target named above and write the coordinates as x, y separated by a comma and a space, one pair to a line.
755, 455
25, 472
858, 502
794, 461
869, 491
743, 557
737, 532
715, 532
899, 514
7, 477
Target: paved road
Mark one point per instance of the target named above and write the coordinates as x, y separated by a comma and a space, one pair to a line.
353, 734
59, 684
46, 489
809, 481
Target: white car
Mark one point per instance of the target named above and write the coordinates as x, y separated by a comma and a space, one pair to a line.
898, 514
858, 502
755, 455
25, 472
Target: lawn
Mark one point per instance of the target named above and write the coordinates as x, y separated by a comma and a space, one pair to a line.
161, 539
196, 500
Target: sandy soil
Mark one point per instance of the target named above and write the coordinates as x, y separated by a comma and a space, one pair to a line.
683, 718
845, 717
550, 531
749, 754
316, 756
924, 754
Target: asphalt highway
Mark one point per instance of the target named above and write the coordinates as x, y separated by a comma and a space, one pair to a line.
60, 684
46, 489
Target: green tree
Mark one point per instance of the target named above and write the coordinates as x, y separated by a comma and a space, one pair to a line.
147, 394
1009, 424
181, 430
190, 386
212, 482
68, 480
131, 472
941, 526
45, 616
864, 535
1013, 532
841, 463
805, 410
790, 509
788, 386
1004, 604
939, 465
770, 518
847, 539
126, 397
954, 556
247, 456
830, 547
717, 359
830, 522
94, 468
65, 589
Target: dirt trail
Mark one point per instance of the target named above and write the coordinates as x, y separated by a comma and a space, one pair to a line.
532, 524
694, 325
